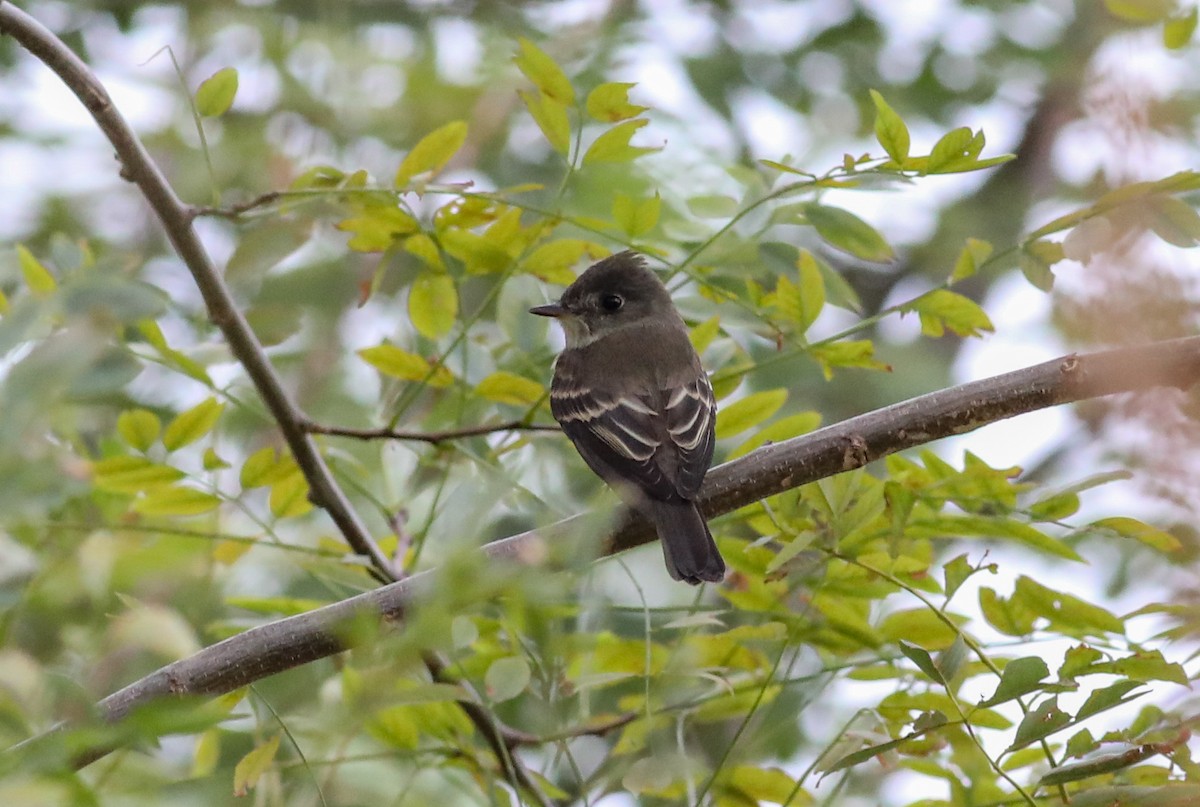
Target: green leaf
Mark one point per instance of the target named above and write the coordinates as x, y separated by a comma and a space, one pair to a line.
433, 151
132, 474
783, 429
213, 461
1036, 271
190, 426
544, 72
842, 229
37, 276
636, 216
266, 467
1144, 665
919, 626
1041, 722
397, 363
139, 428
920, 656
956, 572
551, 118
974, 254
479, 255
425, 249
957, 150
509, 388
1007, 616
812, 288
176, 501
749, 412
609, 103
1173, 220
613, 145
714, 206
215, 94
890, 129
941, 309
1020, 677
1132, 528
506, 678
765, 784
703, 334
377, 227
1056, 507
1108, 697
849, 353
950, 525
433, 304
1178, 30
251, 767
1067, 613
837, 290
553, 260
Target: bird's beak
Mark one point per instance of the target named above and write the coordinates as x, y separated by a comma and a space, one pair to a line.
549, 310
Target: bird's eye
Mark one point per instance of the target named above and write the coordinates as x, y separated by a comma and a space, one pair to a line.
612, 302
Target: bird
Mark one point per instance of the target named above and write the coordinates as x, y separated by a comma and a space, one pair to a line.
630, 393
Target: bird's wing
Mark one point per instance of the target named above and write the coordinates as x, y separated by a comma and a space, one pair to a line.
661, 442
691, 411
619, 436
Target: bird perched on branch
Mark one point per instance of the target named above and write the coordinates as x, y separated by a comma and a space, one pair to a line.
629, 391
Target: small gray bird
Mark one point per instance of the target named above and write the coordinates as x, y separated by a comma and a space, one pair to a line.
630, 393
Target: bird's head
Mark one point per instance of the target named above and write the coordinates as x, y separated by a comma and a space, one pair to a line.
615, 293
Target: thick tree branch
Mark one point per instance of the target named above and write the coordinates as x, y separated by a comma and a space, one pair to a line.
291, 642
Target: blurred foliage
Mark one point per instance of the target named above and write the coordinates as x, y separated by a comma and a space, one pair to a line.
389, 187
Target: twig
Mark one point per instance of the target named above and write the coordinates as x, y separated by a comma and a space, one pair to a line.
294, 641
433, 438
235, 211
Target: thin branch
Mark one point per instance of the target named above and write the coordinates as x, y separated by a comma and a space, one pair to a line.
294, 641
236, 211
433, 438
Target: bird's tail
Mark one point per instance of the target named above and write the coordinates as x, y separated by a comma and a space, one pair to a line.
688, 546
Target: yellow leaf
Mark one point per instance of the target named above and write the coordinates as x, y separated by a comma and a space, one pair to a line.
433, 304
289, 496
216, 93
636, 216
510, 388
176, 501
139, 428
609, 103
613, 145
265, 467
553, 260
432, 153
37, 276
543, 71
551, 118
422, 246
749, 412
132, 474
397, 363
251, 767
190, 426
